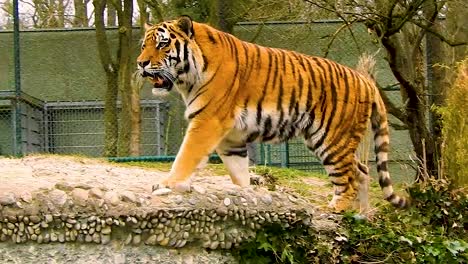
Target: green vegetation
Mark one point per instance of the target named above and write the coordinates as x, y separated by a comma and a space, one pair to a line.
455, 128
433, 230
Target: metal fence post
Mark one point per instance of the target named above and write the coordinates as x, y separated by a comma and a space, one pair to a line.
18, 146
285, 155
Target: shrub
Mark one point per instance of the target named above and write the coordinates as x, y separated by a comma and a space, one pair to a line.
455, 128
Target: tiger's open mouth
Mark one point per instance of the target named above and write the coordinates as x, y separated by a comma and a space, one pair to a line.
159, 81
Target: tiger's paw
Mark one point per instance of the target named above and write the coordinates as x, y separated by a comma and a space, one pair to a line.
341, 204
168, 183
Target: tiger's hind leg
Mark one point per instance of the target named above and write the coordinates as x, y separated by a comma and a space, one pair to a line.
342, 176
342, 171
235, 158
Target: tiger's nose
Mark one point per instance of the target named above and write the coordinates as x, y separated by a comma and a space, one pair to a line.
142, 64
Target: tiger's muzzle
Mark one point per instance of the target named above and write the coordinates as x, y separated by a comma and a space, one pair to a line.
160, 79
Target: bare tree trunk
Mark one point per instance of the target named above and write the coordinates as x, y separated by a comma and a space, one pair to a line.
406, 61
135, 134
60, 14
81, 13
124, 14
457, 13
220, 14
437, 85
111, 70
111, 16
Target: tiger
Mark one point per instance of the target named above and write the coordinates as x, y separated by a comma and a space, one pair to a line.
237, 93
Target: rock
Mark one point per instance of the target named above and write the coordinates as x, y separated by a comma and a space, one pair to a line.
26, 197
178, 199
105, 239
35, 219
160, 237
151, 240
192, 201
112, 198
164, 242
64, 186
162, 191
227, 201
182, 187
292, 198
106, 230
7, 198
96, 192
199, 189
136, 239
58, 197
267, 199
214, 245
128, 196
80, 196
83, 185
48, 218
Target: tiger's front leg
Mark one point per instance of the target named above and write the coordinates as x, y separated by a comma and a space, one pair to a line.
201, 139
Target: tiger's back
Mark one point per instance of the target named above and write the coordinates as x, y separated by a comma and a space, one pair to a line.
249, 93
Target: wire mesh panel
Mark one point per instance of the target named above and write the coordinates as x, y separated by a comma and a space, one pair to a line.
32, 126
78, 127
292, 154
6, 128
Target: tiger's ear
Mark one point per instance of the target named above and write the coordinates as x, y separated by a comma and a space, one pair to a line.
147, 26
186, 25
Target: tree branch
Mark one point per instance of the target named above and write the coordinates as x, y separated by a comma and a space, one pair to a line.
438, 35
391, 107
101, 37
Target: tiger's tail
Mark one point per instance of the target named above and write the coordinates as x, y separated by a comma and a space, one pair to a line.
380, 130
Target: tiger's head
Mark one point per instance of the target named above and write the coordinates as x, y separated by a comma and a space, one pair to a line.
169, 53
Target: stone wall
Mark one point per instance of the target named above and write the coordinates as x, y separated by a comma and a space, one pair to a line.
75, 209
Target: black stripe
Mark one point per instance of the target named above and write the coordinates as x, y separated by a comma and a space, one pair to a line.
265, 88
205, 63
187, 64
340, 183
391, 197
279, 103
337, 138
384, 147
241, 152
275, 68
336, 174
177, 47
253, 136
190, 89
211, 37
333, 106
194, 114
292, 101
337, 192
267, 126
293, 65
363, 168
382, 166
200, 90
385, 182
196, 96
